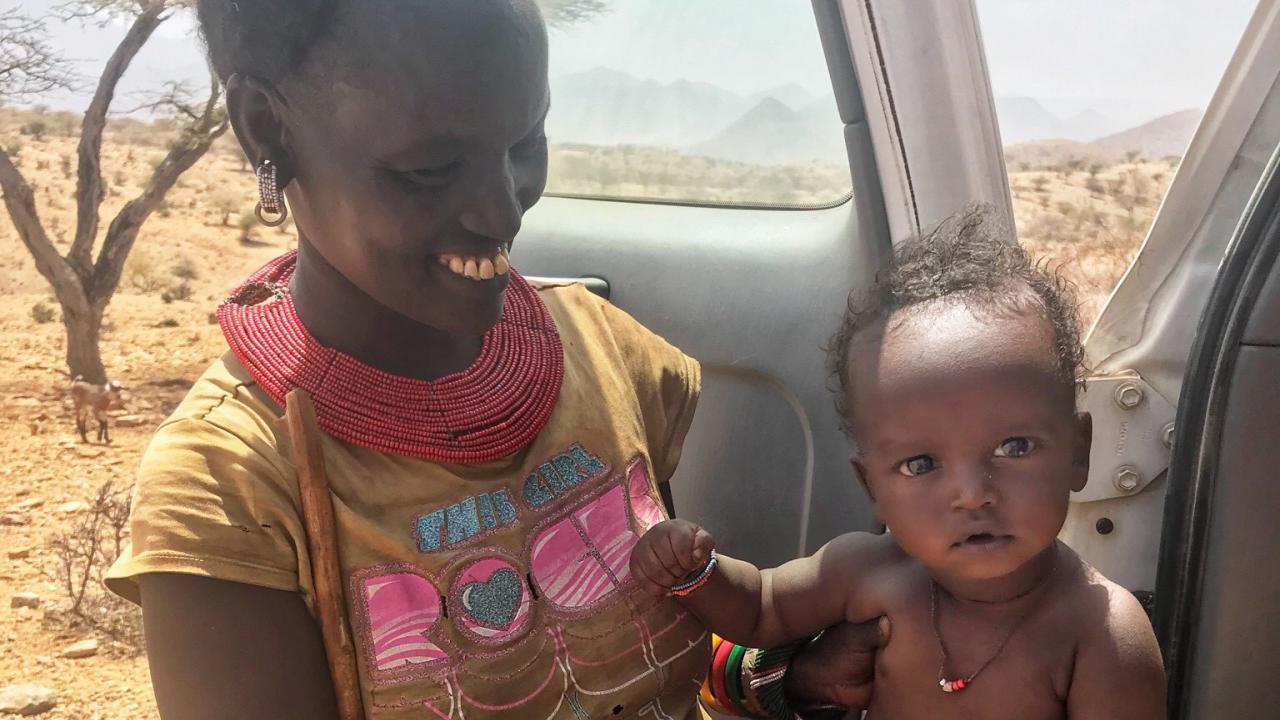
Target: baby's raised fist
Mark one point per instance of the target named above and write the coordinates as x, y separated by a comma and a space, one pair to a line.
671, 552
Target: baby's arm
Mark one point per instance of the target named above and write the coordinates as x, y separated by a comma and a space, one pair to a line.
749, 606
1118, 672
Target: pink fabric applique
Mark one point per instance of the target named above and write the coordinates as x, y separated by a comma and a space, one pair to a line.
583, 558
401, 608
644, 508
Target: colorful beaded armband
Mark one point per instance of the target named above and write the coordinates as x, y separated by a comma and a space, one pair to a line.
687, 587
748, 682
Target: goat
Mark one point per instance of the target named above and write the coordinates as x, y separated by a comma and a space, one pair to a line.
98, 399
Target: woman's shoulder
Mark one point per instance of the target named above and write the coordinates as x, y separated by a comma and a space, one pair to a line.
584, 318
571, 303
223, 411
604, 344
215, 494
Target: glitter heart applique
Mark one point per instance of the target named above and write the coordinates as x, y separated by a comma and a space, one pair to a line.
494, 603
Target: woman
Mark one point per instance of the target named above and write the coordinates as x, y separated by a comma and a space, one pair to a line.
492, 449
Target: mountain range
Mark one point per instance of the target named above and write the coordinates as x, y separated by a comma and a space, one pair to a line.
1166, 135
790, 125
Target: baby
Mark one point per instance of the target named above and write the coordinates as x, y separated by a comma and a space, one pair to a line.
956, 382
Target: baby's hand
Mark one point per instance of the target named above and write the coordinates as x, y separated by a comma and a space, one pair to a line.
671, 552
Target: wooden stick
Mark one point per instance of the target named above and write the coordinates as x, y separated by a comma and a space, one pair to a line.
322, 544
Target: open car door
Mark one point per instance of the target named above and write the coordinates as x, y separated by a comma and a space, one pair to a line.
1186, 354
1196, 321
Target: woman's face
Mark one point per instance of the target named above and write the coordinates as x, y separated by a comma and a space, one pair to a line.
419, 142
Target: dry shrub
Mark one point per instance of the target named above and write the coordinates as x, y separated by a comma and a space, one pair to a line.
142, 272
181, 291
185, 268
83, 553
247, 222
42, 312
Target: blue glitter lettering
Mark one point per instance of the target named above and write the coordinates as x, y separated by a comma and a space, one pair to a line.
588, 463
428, 531
463, 521
559, 484
502, 503
487, 518
568, 469
536, 492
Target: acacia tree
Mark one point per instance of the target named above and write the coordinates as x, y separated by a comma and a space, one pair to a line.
84, 283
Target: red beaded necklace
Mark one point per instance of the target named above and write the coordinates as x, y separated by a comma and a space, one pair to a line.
488, 411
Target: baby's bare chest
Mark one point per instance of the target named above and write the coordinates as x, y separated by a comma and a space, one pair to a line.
1022, 678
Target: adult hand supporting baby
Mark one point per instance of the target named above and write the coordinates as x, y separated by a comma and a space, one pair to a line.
836, 672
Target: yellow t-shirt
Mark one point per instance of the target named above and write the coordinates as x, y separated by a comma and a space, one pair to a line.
493, 590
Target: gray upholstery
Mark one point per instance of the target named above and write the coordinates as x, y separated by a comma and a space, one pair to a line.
1237, 649
1264, 326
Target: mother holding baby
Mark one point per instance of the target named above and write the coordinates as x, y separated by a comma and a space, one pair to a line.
493, 450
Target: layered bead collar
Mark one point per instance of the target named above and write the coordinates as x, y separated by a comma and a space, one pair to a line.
483, 413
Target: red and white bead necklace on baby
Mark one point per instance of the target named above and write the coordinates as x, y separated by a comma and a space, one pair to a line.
956, 684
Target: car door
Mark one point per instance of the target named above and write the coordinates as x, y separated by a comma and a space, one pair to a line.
753, 291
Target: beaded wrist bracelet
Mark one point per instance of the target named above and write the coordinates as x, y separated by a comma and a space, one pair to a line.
689, 586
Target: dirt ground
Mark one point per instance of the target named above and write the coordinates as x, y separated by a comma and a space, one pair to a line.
156, 347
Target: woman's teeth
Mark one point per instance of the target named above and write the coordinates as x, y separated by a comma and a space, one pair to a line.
478, 267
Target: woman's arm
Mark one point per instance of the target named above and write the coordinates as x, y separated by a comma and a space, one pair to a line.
221, 650
837, 670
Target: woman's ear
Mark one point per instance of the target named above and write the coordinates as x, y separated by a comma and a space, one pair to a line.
1083, 445
256, 111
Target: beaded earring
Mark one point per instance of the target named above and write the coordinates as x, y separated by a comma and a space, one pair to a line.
271, 209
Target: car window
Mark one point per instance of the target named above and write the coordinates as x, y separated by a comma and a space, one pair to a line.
1097, 101
713, 102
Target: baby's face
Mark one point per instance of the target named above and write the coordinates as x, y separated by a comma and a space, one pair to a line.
968, 442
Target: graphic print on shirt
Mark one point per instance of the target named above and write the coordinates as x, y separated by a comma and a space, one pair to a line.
490, 601
557, 477
567, 600
397, 607
451, 527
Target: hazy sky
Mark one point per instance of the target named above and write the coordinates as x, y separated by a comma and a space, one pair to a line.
1157, 55
1145, 57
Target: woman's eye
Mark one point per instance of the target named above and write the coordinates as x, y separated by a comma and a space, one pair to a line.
431, 177
918, 465
1015, 447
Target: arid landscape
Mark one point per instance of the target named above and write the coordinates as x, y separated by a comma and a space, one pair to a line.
1085, 205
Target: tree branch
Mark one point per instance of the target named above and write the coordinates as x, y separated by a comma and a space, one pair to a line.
21, 204
89, 189
192, 143
570, 12
175, 99
29, 66
102, 12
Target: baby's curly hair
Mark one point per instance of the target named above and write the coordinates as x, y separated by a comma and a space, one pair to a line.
971, 257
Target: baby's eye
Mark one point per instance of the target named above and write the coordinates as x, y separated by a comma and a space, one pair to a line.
1015, 447
918, 465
